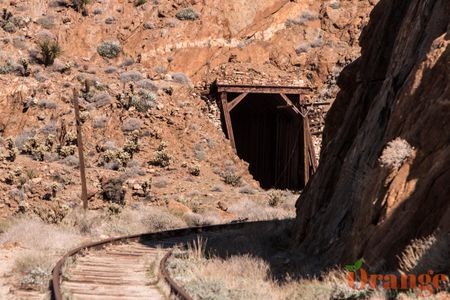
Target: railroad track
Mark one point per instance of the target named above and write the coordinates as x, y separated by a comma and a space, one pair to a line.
130, 267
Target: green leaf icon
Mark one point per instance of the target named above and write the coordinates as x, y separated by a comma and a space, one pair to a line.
350, 268
358, 264
353, 268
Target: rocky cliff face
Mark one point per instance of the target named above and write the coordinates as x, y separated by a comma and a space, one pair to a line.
385, 162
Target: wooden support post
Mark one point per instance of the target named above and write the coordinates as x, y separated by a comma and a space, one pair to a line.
306, 158
236, 101
80, 150
227, 116
312, 152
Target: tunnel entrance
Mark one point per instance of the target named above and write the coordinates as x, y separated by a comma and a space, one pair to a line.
267, 128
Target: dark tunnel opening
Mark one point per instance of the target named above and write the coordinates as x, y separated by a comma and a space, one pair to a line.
269, 136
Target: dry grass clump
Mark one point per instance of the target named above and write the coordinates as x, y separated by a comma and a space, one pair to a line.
427, 253
246, 277
34, 270
37, 235
257, 212
45, 244
118, 221
143, 219
194, 219
396, 153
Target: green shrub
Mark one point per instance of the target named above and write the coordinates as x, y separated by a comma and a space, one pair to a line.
109, 49
132, 145
66, 151
187, 14
161, 159
49, 51
143, 101
8, 22
232, 179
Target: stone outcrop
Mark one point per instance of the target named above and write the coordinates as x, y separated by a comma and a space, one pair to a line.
385, 161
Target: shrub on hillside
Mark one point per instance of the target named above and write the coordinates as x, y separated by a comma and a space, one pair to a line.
47, 104
49, 51
80, 6
143, 101
187, 14
180, 78
109, 49
131, 124
100, 99
113, 191
10, 23
232, 179
161, 159
130, 76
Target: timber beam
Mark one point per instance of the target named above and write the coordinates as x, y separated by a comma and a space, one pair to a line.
227, 117
262, 89
236, 101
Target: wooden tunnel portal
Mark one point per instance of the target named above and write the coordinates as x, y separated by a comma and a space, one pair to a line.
268, 126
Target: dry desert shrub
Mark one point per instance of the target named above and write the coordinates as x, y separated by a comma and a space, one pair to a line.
132, 75
187, 14
31, 260
427, 253
34, 269
49, 51
396, 153
131, 124
109, 49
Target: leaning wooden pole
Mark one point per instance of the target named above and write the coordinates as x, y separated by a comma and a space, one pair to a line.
80, 150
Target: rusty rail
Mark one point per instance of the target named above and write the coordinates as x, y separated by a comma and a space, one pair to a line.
55, 284
175, 288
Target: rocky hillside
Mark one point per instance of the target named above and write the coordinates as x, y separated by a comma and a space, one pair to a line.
143, 70
381, 191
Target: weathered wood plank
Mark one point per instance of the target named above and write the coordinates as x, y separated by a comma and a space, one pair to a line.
262, 89
236, 101
227, 116
289, 102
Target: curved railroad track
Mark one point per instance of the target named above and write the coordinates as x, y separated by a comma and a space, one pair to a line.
121, 268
